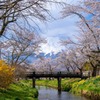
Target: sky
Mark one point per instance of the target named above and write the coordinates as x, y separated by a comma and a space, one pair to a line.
55, 31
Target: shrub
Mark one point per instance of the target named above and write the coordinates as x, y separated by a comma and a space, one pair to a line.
77, 87
6, 74
67, 85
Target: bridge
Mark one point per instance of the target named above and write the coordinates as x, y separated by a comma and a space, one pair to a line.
57, 75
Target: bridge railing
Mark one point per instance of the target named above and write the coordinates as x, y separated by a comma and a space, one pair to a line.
47, 73
55, 75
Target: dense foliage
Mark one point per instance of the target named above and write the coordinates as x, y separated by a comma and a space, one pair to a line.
89, 88
6, 74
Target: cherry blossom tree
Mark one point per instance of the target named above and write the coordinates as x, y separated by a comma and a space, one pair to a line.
89, 39
20, 46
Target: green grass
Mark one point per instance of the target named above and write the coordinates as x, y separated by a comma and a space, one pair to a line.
19, 91
48, 83
90, 85
89, 88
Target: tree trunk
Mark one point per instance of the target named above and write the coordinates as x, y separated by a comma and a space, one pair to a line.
94, 71
81, 73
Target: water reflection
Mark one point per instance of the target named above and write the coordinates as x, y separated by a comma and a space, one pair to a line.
46, 93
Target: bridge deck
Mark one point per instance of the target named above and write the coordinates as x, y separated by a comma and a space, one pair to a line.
55, 75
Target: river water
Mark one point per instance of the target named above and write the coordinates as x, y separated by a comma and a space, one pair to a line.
46, 93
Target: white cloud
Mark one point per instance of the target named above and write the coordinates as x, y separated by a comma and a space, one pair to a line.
51, 46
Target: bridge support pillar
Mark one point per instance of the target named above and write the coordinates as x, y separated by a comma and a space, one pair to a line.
59, 83
33, 80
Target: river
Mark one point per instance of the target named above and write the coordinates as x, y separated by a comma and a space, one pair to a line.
46, 93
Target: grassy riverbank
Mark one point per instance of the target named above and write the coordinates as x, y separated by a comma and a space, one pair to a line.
89, 88
19, 91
